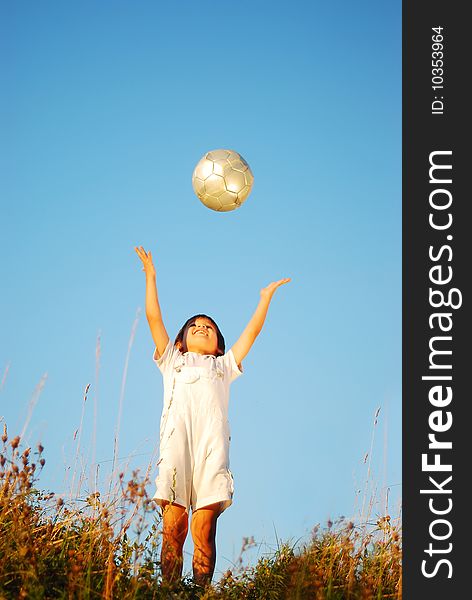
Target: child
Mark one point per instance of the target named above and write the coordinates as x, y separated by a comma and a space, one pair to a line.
194, 433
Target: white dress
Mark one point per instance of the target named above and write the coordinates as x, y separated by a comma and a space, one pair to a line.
194, 433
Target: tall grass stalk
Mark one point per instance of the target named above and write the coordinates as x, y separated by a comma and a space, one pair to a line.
122, 392
78, 437
4, 376
34, 399
94, 468
368, 459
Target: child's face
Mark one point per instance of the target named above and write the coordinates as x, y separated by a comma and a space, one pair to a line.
202, 337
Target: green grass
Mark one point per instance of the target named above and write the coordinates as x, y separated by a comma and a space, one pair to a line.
55, 549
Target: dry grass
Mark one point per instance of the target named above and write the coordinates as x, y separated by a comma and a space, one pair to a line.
93, 548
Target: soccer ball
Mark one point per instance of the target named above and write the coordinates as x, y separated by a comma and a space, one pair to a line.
222, 180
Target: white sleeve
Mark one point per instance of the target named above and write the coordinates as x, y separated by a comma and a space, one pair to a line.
230, 368
167, 358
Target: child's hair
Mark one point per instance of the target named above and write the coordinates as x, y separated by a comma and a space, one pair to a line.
181, 338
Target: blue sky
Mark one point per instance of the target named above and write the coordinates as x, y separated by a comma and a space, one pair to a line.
105, 110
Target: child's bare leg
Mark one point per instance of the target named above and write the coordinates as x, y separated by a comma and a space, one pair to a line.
175, 527
203, 528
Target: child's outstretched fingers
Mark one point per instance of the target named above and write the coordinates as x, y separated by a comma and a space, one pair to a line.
282, 281
270, 289
146, 259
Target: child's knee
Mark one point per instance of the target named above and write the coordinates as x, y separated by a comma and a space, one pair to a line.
203, 530
175, 525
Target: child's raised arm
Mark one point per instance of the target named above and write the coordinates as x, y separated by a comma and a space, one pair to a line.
254, 327
153, 310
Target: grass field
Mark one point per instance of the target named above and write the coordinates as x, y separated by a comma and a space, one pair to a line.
51, 548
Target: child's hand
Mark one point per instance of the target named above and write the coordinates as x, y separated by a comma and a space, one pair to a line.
254, 327
148, 266
268, 291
